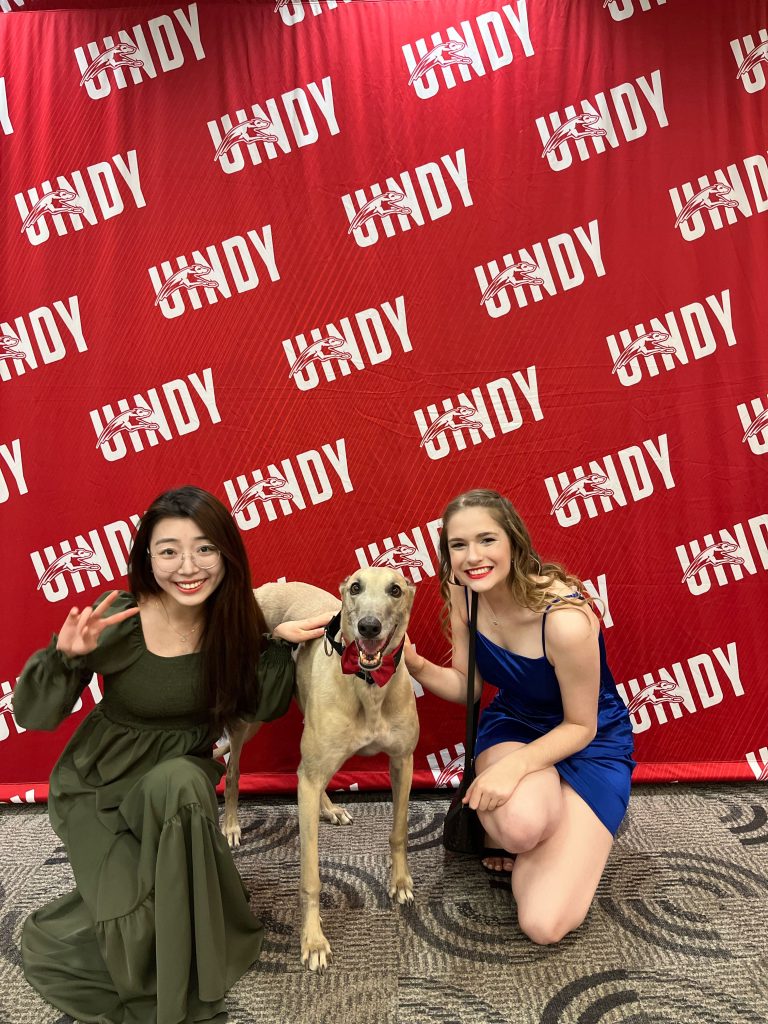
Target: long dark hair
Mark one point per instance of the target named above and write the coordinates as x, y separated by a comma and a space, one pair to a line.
233, 626
526, 564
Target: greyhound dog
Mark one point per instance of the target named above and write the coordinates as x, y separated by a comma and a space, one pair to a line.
357, 698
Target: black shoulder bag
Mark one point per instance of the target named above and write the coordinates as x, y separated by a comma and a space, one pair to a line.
462, 831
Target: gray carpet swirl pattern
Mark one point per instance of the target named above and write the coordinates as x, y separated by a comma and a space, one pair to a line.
676, 935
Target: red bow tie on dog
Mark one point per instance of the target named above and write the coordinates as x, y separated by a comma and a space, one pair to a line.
350, 665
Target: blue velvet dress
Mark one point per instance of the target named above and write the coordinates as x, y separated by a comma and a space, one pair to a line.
529, 704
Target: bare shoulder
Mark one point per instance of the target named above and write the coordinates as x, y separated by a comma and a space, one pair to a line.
459, 598
571, 625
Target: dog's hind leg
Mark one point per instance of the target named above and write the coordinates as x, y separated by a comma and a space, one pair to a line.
401, 774
239, 735
333, 813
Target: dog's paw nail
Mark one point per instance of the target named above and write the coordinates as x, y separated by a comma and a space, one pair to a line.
316, 962
402, 893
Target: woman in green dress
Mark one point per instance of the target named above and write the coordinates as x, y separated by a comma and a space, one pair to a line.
158, 927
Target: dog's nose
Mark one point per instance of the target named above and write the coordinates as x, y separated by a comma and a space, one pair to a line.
369, 627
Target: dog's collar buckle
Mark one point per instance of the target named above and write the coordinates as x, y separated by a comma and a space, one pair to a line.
330, 643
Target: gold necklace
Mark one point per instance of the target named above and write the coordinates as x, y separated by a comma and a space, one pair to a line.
184, 637
494, 620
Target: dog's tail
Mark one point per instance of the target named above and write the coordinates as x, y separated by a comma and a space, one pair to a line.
221, 751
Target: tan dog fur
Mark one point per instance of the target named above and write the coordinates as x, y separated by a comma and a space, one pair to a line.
279, 602
343, 716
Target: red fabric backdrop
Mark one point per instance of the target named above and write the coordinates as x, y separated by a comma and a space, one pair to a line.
337, 262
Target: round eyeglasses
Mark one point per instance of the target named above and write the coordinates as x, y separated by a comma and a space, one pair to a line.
171, 560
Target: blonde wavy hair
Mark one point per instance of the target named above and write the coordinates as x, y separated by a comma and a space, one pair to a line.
526, 564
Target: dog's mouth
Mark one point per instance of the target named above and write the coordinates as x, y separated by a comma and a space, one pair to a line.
370, 653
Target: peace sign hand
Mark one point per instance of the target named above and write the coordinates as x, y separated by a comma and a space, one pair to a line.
81, 630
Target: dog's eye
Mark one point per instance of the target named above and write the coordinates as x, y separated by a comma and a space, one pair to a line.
395, 590
355, 588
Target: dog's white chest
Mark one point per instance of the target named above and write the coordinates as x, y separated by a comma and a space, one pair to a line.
373, 731
377, 731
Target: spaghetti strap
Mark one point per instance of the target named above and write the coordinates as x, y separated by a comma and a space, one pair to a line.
544, 617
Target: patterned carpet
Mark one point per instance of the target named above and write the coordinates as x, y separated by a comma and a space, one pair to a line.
677, 933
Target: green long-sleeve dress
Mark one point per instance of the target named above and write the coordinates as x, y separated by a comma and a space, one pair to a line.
158, 928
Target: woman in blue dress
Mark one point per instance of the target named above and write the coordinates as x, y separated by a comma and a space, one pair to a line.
554, 747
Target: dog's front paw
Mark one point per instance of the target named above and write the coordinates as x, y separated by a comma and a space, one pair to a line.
231, 832
401, 888
336, 815
315, 952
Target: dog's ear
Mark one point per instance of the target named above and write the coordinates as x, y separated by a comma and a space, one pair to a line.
343, 586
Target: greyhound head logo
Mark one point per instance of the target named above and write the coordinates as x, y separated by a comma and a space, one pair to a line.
57, 201
650, 344
196, 275
756, 54
760, 422
119, 56
716, 554
515, 276
324, 348
589, 486
385, 205
399, 557
578, 127
451, 773
250, 131
707, 199
460, 418
6, 704
9, 348
76, 560
763, 776
132, 419
655, 693
271, 488
440, 56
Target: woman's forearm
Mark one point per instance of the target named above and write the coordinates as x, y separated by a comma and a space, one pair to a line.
443, 681
564, 740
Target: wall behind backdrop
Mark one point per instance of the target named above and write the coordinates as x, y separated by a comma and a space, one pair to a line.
337, 262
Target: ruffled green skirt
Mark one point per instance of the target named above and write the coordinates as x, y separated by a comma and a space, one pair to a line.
159, 926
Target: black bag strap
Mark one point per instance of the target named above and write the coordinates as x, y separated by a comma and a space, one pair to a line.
473, 707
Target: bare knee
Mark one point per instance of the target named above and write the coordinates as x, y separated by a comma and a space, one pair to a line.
518, 833
546, 928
